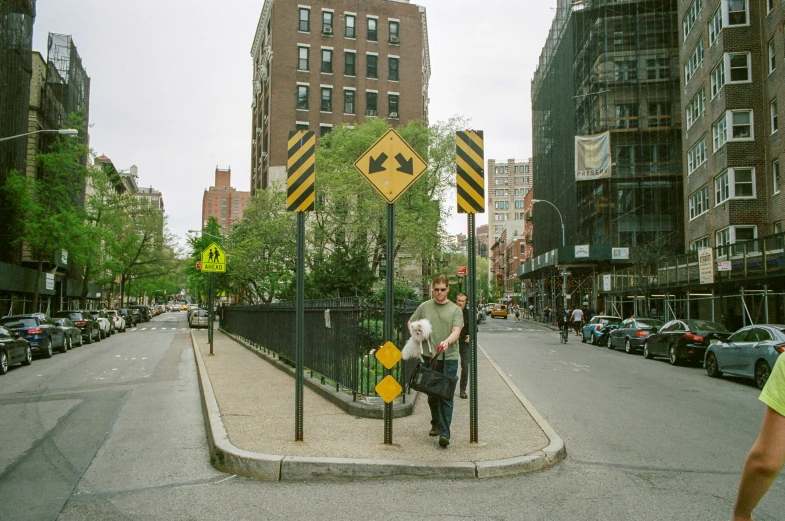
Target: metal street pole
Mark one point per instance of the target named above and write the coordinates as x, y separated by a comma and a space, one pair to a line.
471, 288
61, 131
210, 311
563, 244
299, 322
389, 302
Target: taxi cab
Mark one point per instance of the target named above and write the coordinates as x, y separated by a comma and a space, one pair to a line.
499, 310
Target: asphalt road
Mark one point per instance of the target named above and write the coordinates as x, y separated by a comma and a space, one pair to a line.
114, 431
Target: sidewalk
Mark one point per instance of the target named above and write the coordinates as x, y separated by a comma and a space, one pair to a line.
249, 416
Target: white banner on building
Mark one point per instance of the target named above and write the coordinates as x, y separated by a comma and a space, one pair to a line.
582, 251
606, 282
706, 265
620, 253
593, 157
50, 281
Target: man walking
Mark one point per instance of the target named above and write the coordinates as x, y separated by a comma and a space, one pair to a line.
463, 344
577, 319
446, 323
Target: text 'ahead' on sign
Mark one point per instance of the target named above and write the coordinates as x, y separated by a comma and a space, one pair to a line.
391, 165
213, 259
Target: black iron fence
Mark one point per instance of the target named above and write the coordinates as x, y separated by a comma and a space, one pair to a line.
341, 336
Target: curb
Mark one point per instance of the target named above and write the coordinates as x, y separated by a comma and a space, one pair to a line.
268, 467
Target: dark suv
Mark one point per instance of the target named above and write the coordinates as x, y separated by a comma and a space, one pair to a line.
128, 315
38, 329
83, 320
145, 312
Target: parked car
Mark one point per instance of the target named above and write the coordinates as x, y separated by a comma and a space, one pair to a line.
105, 325
632, 332
117, 320
750, 352
83, 320
684, 340
499, 310
73, 335
596, 330
199, 318
13, 350
145, 312
128, 316
39, 330
137, 314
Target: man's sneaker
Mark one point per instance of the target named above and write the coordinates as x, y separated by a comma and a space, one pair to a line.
434, 431
464, 395
444, 441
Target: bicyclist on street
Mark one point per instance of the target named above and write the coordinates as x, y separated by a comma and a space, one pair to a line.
563, 321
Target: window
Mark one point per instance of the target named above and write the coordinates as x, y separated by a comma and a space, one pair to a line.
737, 11
392, 106
717, 77
657, 69
772, 56
739, 65
502, 181
371, 99
518, 204
773, 112
741, 124
301, 126
659, 114
372, 62
625, 70
699, 202
690, 17
236, 211
394, 31
327, 22
392, 62
223, 206
348, 63
327, 61
734, 183
324, 130
302, 61
302, 97
348, 101
693, 62
775, 174
305, 20
698, 244
696, 107
715, 26
778, 228
627, 115
372, 29
350, 25
327, 100
696, 156
502, 205
719, 133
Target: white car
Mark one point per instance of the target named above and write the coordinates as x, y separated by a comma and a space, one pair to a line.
102, 318
119, 322
199, 318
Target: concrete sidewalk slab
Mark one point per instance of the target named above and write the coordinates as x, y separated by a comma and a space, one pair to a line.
249, 413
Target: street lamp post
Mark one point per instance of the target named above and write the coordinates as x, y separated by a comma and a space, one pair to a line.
563, 244
61, 131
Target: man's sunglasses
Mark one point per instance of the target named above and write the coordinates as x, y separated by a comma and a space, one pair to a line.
440, 289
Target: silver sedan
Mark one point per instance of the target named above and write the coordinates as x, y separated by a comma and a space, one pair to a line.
749, 353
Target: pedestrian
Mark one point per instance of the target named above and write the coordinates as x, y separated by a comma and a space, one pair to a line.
577, 320
547, 314
446, 322
767, 456
464, 348
531, 311
517, 313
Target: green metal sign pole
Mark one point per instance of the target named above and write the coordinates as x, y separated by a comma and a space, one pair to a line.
389, 303
471, 288
211, 301
299, 322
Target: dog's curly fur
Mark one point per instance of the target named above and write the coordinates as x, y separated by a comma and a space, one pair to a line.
420, 331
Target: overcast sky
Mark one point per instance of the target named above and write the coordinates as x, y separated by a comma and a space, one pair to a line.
171, 83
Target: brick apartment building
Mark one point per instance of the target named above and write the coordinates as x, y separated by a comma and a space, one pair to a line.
732, 73
224, 202
508, 184
322, 63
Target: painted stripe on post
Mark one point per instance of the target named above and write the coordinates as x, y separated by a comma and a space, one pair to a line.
300, 195
470, 161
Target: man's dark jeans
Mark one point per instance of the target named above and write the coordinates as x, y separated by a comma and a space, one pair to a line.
441, 410
466, 357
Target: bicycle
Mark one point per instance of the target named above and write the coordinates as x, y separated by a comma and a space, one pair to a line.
564, 334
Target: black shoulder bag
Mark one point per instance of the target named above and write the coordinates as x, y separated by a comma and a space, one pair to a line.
428, 380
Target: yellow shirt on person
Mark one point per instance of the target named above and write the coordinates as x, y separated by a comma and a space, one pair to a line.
773, 393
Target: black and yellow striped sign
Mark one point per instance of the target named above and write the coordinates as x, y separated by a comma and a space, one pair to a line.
470, 160
300, 171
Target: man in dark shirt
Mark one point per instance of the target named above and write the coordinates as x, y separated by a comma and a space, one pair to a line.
463, 344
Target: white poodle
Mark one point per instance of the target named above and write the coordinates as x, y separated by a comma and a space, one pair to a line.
420, 331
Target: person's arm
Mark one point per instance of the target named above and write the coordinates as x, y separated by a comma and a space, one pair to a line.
456, 332
763, 463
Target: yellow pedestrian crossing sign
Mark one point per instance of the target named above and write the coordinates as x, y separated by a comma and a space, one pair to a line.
214, 259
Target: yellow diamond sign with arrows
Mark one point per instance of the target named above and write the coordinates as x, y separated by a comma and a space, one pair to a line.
214, 259
391, 165
388, 389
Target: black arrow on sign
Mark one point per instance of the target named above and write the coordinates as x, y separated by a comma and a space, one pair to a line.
377, 165
406, 166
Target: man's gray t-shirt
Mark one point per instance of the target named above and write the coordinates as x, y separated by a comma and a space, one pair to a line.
443, 318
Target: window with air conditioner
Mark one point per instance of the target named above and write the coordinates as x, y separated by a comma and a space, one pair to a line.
392, 106
327, 22
394, 27
371, 100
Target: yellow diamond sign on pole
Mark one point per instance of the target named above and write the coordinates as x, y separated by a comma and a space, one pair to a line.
388, 355
214, 259
391, 165
388, 389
